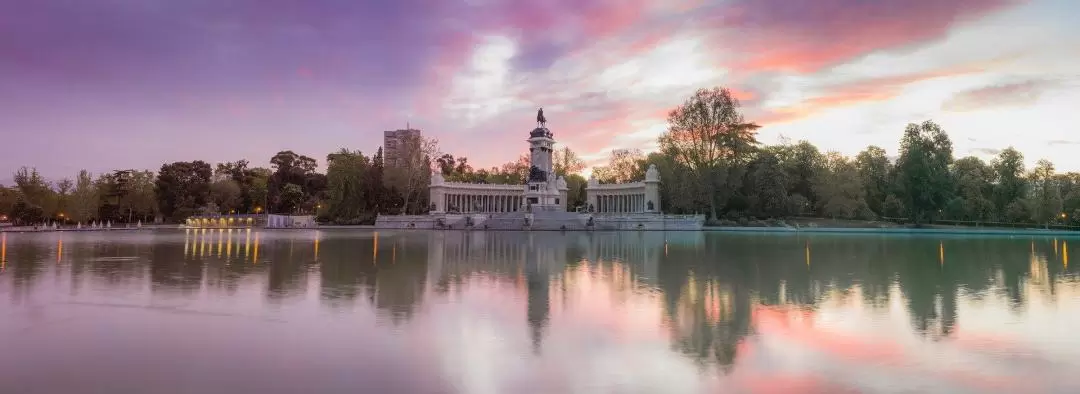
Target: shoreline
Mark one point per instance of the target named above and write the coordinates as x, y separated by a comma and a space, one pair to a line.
892, 230
719, 229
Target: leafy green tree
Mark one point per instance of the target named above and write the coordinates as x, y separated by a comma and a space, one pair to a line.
24, 213
8, 197
709, 136
182, 188
226, 195
575, 194
292, 195
290, 167
839, 189
874, 168
973, 187
767, 186
34, 189
1046, 199
923, 170
1010, 183
348, 195
84, 199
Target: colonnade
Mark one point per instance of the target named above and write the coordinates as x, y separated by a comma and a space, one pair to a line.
621, 203
482, 203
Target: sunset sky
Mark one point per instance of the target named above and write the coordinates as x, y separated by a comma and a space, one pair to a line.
108, 84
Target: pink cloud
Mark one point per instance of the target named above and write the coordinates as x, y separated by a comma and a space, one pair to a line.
804, 37
865, 91
997, 96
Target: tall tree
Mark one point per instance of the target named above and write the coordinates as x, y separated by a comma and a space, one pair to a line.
226, 195
839, 190
767, 186
63, 198
1010, 183
973, 188
84, 199
625, 165
183, 188
292, 168
34, 188
1046, 196
923, 170
8, 197
567, 162
347, 193
874, 167
411, 175
709, 136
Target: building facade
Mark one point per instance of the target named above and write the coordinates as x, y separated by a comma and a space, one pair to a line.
543, 190
394, 145
633, 197
541, 202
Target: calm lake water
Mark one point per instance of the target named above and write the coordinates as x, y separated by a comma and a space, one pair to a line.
338, 311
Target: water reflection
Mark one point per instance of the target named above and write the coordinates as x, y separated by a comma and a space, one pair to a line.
549, 311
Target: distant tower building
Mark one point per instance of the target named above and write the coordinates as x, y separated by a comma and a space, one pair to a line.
394, 144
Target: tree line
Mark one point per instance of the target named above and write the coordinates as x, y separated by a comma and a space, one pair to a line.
709, 160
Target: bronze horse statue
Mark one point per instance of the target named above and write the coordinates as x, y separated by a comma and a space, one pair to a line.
541, 121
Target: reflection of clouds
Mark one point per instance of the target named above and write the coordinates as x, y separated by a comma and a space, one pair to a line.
604, 331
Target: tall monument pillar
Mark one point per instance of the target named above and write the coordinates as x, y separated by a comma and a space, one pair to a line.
542, 188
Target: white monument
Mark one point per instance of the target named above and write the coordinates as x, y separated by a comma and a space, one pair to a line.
543, 190
541, 202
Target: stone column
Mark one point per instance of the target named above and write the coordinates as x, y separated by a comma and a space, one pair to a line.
652, 188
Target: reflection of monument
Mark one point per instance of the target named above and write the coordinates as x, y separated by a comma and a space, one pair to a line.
538, 282
541, 202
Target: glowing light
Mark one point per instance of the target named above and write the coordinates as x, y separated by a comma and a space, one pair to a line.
3, 251
247, 244
808, 254
255, 257
228, 245
316, 246
219, 241
59, 249
187, 238
941, 252
375, 249
1065, 254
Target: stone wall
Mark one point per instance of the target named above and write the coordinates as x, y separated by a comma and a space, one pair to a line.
648, 222
542, 221
425, 222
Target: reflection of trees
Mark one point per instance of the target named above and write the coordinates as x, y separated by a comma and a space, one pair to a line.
24, 262
346, 270
170, 269
708, 300
288, 261
400, 275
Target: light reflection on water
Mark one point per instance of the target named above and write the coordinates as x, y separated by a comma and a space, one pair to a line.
343, 311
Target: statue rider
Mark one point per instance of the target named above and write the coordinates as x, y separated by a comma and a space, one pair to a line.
541, 121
